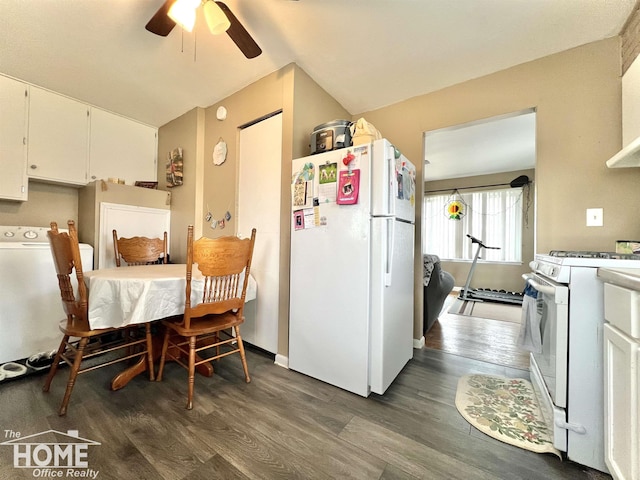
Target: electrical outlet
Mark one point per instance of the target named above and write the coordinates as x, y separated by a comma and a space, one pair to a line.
594, 217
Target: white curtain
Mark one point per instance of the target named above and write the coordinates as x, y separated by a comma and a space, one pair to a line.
492, 216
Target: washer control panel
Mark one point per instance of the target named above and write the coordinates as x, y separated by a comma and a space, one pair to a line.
24, 234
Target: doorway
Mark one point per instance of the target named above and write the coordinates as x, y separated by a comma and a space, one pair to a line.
476, 157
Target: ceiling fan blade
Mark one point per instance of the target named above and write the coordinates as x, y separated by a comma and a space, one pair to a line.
160, 23
239, 34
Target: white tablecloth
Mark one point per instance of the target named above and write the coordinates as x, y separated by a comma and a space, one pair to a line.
129, 295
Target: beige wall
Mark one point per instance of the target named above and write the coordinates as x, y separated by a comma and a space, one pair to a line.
491, 275
577, 96
181, 132
47, 203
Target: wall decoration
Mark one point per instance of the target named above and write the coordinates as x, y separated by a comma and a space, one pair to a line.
220, 152
455, 210
456, 206
174, 168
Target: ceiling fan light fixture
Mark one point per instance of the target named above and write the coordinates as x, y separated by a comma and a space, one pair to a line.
216, 19
183, 12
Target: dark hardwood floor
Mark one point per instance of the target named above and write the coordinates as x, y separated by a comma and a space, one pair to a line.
283, 425
486, 339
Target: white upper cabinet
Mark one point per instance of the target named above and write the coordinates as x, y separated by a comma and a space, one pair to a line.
121, 148
13, 132
58, 138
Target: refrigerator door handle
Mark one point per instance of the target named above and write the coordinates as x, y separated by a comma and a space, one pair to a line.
391, 237
391, 179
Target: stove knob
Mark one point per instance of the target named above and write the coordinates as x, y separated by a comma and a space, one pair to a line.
30, 234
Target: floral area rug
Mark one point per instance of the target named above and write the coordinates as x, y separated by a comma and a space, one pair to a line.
505, 409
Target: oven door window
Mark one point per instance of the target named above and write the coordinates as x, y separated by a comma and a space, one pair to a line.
553, 316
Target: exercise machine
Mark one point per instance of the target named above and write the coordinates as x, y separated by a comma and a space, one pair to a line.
486, 295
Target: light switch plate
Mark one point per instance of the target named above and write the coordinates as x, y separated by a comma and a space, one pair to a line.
594, 217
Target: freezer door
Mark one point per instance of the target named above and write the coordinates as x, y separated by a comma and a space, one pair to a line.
393, 183
391, 300
405, 198
383, 180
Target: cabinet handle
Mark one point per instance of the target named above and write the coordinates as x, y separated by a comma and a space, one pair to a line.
33, 167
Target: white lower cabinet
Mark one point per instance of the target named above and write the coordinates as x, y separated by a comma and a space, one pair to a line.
58, 138
622, 381
13, 134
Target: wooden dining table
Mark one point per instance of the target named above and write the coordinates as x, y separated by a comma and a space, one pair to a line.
128, 296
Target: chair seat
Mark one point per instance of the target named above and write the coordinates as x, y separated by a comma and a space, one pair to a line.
75, 328
205, 325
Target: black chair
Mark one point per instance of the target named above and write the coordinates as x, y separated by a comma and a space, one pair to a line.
437, 285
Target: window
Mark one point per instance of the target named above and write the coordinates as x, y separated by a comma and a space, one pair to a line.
493, 216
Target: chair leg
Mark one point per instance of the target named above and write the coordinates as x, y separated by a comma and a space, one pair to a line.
192, 371
149, 351
163, 356
54, 366
72, 375
242, 355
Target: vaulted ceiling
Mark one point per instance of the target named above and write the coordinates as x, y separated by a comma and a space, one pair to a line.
365, 53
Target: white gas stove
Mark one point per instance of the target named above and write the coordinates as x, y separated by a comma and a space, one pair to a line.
567, 372
557, 264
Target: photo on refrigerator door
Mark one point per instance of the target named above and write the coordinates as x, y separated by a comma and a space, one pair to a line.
348, 187
328, 181
298, 220
302, 187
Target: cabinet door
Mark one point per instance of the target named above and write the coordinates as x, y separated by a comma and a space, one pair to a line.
622, 454
58, 138
13, 134
121, 148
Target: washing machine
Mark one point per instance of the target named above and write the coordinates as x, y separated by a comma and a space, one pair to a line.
30, 304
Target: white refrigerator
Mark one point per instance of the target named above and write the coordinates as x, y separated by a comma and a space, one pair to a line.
352, 247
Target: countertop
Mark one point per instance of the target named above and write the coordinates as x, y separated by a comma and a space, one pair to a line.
623, 277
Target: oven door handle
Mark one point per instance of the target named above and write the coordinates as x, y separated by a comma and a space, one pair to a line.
538, 286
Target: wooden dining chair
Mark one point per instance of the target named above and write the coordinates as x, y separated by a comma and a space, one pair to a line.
225, 263
139, 250
80, 341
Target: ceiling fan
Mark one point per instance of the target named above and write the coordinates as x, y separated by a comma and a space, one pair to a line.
218, 16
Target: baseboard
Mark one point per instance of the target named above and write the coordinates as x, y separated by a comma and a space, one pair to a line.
282, 361
418, 343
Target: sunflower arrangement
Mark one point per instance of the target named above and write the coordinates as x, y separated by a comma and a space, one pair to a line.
455, 210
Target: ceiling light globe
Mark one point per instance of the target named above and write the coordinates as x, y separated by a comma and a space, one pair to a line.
183, 12
216, 19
